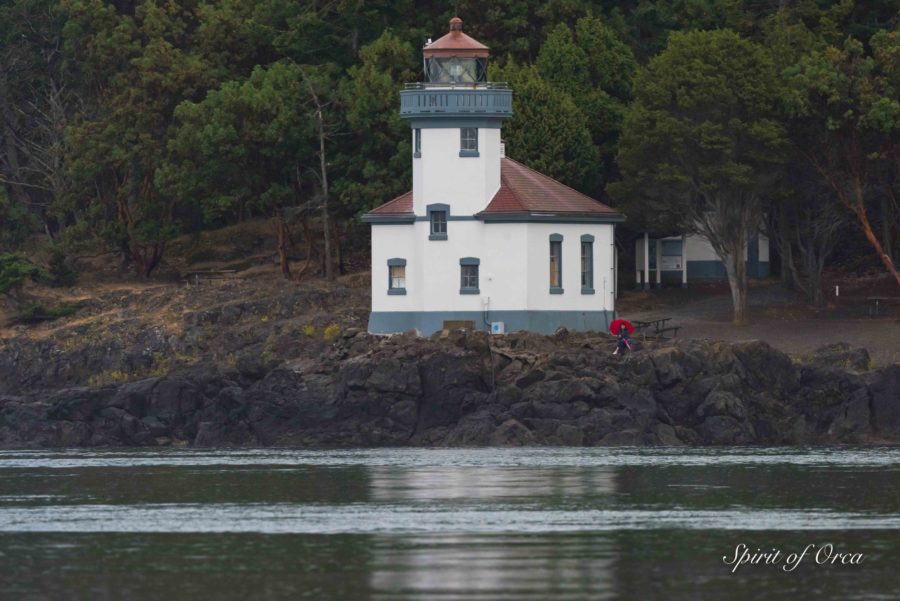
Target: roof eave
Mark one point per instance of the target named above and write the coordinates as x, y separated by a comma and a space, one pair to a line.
521, 217
456, 52
388, 218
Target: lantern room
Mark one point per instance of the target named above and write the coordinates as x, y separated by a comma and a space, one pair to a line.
456, 58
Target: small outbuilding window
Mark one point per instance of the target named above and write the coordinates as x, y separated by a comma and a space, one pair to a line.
468, 142
468, 275
396, 276
556, 264
587, 264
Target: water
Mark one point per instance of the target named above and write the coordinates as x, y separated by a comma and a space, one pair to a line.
559, 524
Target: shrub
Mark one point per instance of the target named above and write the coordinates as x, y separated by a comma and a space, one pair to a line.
331, 332
62, 273
14, 270
36, 312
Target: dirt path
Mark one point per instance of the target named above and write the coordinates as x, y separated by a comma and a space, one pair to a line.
778, 317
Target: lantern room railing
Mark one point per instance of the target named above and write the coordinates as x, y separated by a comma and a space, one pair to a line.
483, 85
492, 100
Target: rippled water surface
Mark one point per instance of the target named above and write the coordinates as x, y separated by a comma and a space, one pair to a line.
447, 524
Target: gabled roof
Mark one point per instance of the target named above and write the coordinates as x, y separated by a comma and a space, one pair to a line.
402, 206
523, 193
526, 191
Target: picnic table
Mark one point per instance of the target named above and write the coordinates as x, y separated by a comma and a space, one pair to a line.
655, 329
875, 303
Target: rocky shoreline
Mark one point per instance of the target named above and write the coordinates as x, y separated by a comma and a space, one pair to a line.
467, 389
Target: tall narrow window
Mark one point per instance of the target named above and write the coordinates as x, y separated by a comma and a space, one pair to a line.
468, 142
468, 275
417, 143
587, 264
439, 222
556, 264
438, 215
396, 276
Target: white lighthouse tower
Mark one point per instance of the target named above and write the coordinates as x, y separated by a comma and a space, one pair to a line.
482, 240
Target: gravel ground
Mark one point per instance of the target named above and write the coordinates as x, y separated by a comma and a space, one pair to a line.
778, 317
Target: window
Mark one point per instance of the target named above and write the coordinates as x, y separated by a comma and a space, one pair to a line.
417, 143
453, 69
468, 142
468, 275
438, 215
396, 276
439, 222
587, 264
556, 264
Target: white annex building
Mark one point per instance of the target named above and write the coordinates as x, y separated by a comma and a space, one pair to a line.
690, 258
482, 239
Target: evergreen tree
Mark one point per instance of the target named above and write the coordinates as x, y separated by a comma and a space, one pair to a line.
547, 131
595, 68
134, 69
245, 149
700, 145
376, 159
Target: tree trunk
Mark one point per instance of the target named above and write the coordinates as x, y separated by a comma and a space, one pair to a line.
329, 271
323, 167
873, 240
815, 264
309, 248
283, 237
857, 204
786, 250
727, 222
894, 226
338, 247
736, 268
887, 223
147, 259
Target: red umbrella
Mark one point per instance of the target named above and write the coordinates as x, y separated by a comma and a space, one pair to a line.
616, 326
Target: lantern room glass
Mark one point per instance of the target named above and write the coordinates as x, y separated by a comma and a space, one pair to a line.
456, 70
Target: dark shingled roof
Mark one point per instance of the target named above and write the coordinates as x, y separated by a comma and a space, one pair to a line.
523, 191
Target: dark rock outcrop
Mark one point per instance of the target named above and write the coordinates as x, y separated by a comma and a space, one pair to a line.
466, 389
885, 391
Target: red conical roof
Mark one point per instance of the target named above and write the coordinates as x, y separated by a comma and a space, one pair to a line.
456, 43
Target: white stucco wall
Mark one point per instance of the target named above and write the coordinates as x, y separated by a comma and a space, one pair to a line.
389, 242
514, 270
699, 249
539, 297
465, 183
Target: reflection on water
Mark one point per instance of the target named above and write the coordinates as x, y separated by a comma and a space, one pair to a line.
489, 482
354, 519
443, 524
466, 567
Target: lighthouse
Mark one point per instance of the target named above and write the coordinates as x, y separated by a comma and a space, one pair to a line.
482, 241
